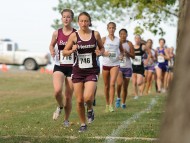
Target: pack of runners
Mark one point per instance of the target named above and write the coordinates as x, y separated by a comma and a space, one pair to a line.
77, 67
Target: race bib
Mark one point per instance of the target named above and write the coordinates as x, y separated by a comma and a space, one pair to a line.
85, 60
137, 61
66, 59
123, 62
161, 59
113, 55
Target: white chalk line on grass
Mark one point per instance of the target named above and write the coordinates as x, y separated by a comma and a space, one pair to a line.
108, 139
74, 137
126, 123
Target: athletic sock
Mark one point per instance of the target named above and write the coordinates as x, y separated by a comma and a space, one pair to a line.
83, 124
90, 110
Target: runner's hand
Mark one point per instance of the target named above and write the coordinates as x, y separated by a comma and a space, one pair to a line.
127, 54
98, 52
146, 62
121, 57
161, 55
52, 52
106, 54
74, 48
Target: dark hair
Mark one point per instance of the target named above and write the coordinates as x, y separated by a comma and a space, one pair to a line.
123, 30
111, 23
162, 39
149, 40
68, 10
86, 14
143, 42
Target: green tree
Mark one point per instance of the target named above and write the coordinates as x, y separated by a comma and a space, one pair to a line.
148, 13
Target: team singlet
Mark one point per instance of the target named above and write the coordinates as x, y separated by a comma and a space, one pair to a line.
138, 56
86, 56
113, 48
126, 62
161, 58
61, 42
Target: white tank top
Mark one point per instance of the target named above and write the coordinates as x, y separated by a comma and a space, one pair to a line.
113, 48
151, 62
126, 62
56, 58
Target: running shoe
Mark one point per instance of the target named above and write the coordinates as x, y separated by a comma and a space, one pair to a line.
66, 123
117, 103
107, 109
83, 128
123, 106
136, 97
163, 91
111, 108
90, 116
57, 113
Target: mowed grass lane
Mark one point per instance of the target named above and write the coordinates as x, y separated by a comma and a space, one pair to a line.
27, 104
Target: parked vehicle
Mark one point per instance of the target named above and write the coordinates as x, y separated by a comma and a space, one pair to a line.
11, 55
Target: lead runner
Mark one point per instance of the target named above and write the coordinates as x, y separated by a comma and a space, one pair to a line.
85, 69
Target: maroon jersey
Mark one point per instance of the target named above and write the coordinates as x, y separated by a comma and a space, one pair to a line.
61, 42
86, 60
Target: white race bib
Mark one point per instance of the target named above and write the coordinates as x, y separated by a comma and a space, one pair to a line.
113, 55
161, 59
85, 60
66, 59
137, 61
123, 62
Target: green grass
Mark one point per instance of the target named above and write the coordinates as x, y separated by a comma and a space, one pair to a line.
27, 104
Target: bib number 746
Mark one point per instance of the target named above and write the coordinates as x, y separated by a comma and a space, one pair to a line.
85, 60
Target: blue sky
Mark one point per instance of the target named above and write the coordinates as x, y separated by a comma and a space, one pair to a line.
29, 24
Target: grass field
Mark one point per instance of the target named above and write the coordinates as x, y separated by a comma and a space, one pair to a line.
27, 104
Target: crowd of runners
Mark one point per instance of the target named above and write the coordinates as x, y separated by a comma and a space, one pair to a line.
77, 67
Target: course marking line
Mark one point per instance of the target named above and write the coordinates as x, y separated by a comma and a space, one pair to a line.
111, 138
127, 122
74, 137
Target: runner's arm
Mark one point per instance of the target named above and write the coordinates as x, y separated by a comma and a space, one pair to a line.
147, 50
70, 47
132, 52
52, 43
103, 40
100, 45
121, 49
166, 56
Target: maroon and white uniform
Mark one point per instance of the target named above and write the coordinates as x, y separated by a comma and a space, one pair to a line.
63, 63
85, 67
